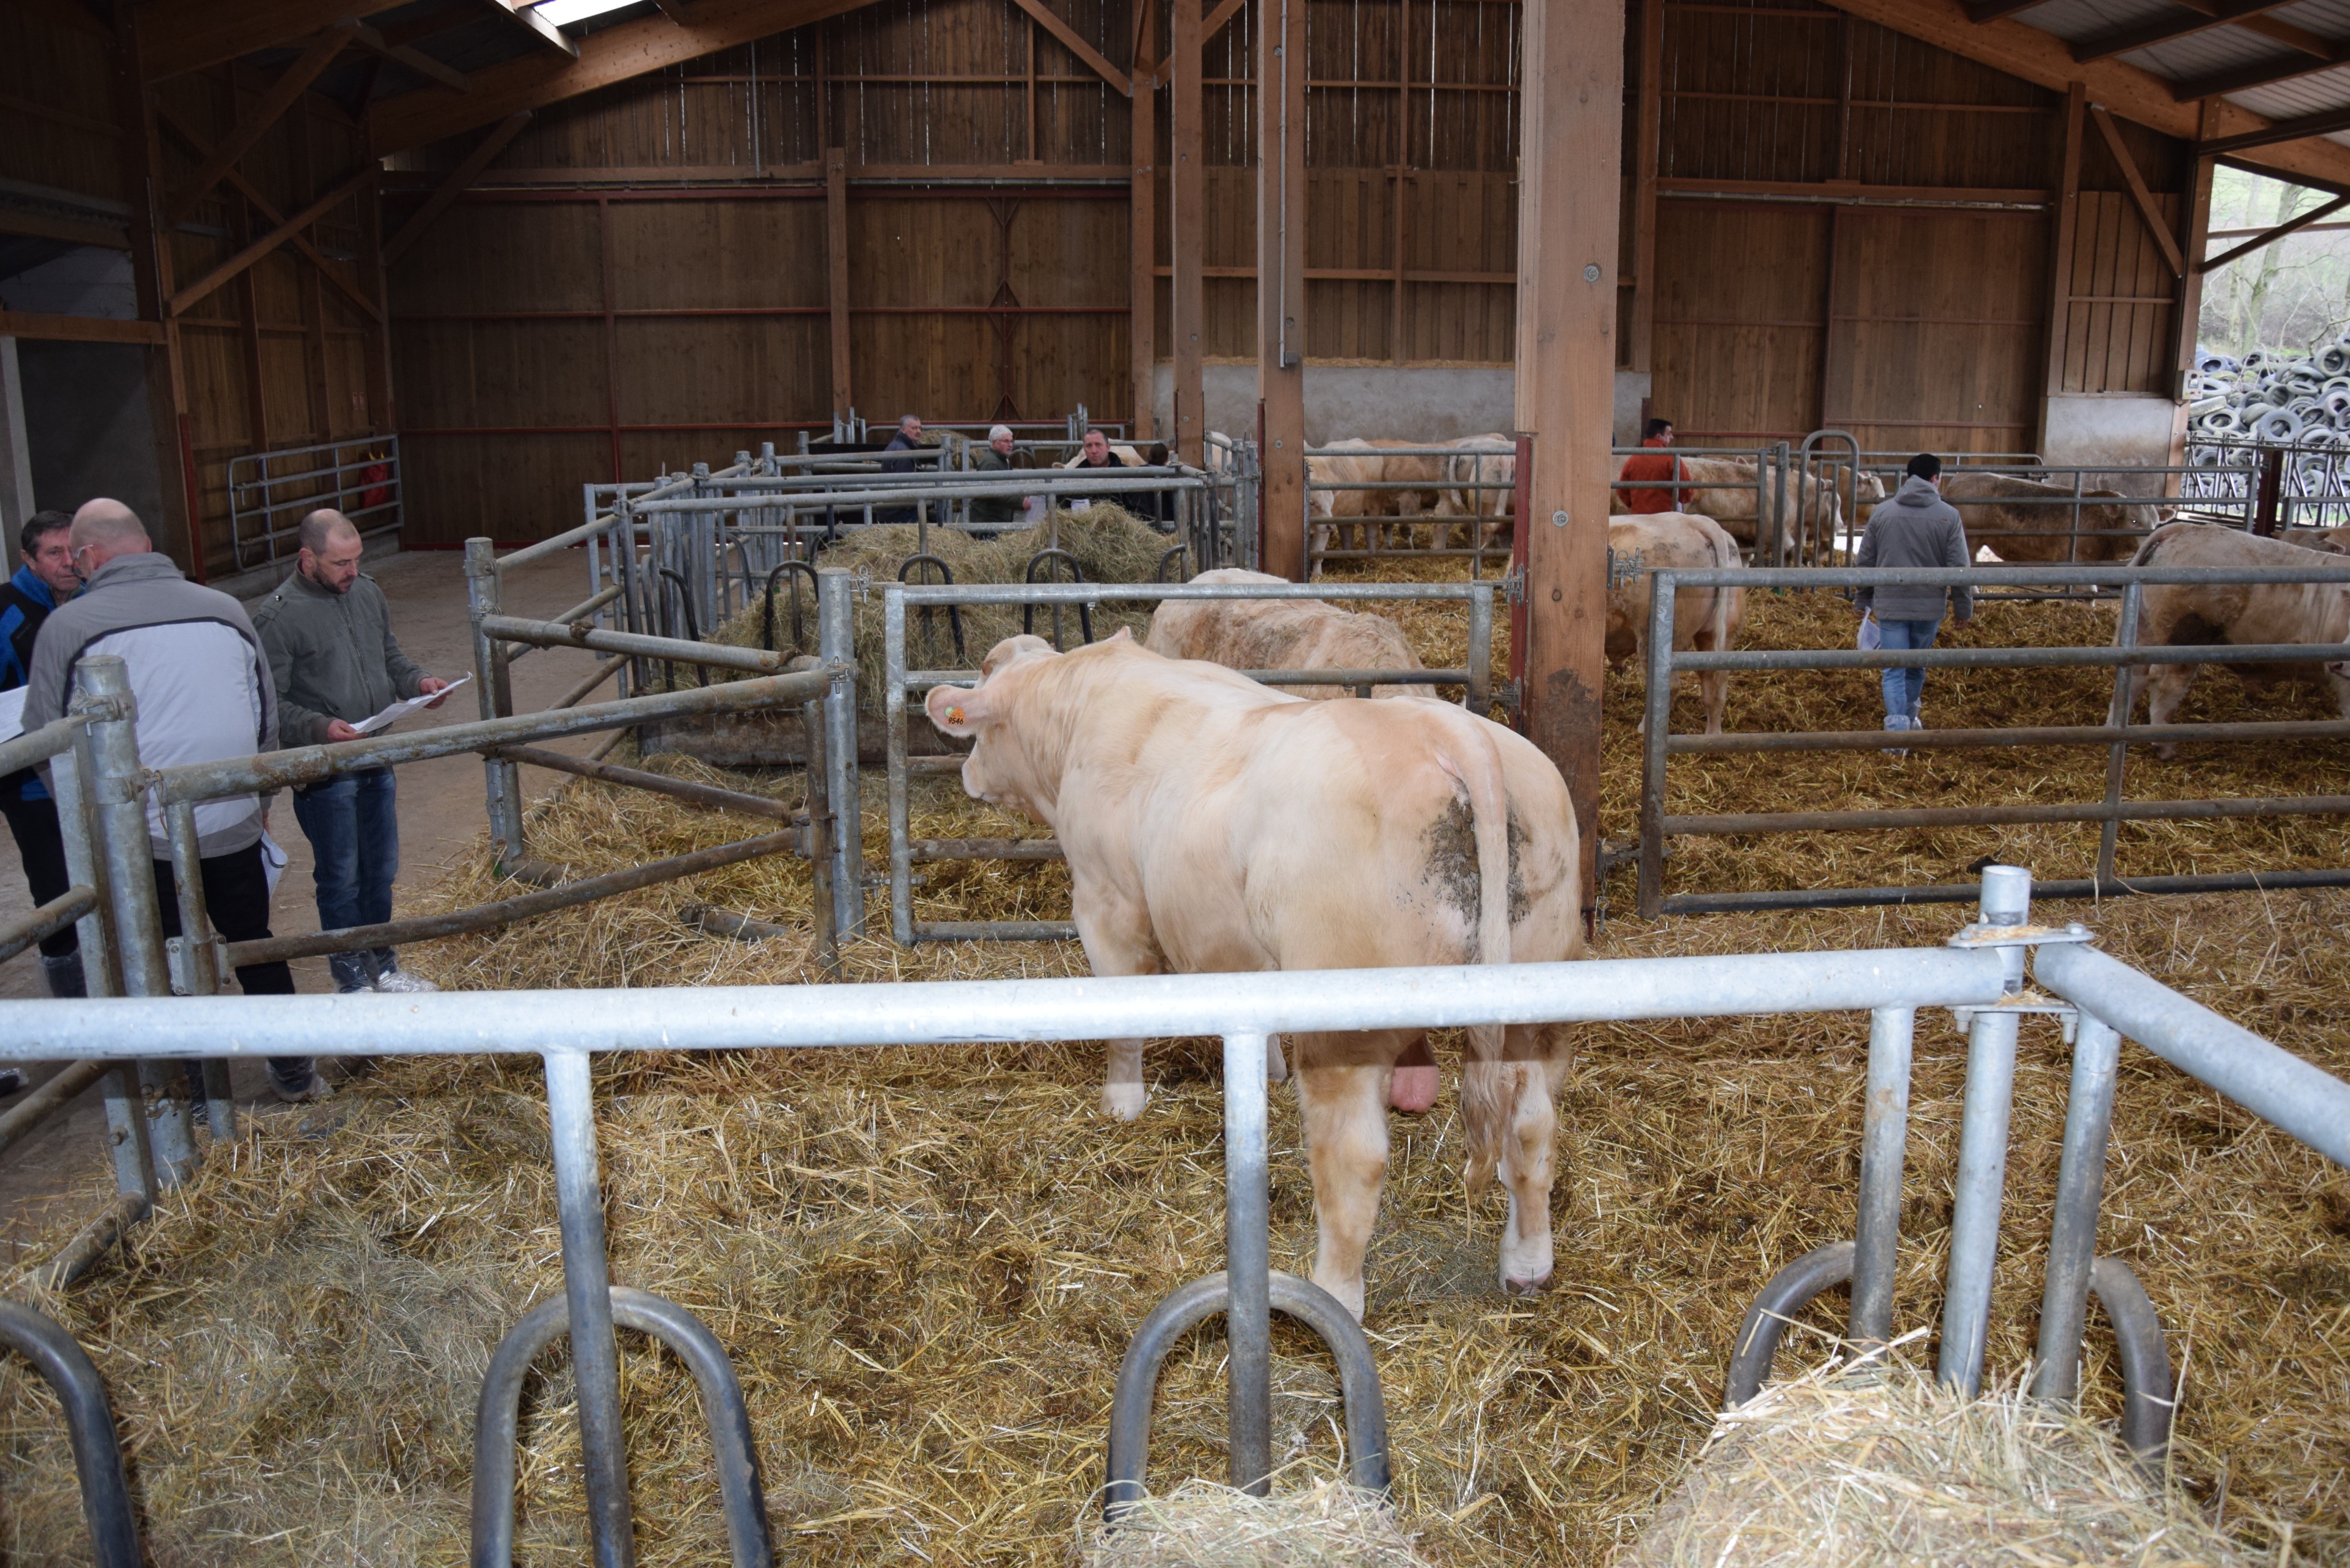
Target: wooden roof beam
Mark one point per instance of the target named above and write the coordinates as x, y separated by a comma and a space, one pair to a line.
269, 241
414, 60
2301, 129
2316, 55
553, 36
178, 132
2140, 96
460, 180
283, 94
1072, 40
2201, 16
176, 37
614, 55
674, 10
1982, 11
2139, 195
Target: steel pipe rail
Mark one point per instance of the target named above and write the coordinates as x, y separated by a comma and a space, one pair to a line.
1960, 892
547, 546
944, 1012
1039, 482
2116, 574
703, 795
920, 593
2271, 1083
554, 634
49, 919
40, 745
306, 765
506, 911
67, 1368
25, 1116
2031, 735
2013, 657
1718, 825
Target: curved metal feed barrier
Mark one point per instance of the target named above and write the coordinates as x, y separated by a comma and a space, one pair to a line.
89, 1424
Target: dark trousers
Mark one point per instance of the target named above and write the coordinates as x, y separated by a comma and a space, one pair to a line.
34, 823
236, 897
353, 826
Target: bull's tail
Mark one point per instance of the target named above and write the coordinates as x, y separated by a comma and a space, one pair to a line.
1725, 554
1488, 1085
2143, 555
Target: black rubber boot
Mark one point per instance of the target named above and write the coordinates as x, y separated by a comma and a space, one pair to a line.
64, 975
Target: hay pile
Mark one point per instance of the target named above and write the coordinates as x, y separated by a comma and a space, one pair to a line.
926, 1264
1110, 543
1202, 1525
1826, 1471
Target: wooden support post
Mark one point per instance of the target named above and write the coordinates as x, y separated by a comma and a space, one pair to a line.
248, 307
1187, 231
1280, 280
835, 250
1143, 276
2064, 226
1567, 201
2139, 195
382, 417
2194, 238
178, 531
1651, 122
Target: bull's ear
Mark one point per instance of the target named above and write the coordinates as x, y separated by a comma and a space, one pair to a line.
956, 709
1123, 634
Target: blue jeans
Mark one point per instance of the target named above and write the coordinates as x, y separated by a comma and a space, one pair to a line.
1904, 688
354, 834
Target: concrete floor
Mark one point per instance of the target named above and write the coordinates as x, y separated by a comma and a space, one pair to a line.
64, 1165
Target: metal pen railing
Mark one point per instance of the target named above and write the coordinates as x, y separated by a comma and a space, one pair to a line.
899, 682
2125, 657
1488, 530
359, 477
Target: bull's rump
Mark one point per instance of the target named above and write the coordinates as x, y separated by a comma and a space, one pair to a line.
1667, 539
1278, 634
1332, 835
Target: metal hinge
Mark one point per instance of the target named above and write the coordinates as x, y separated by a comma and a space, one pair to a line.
182, 958
1622, 569
1514, 585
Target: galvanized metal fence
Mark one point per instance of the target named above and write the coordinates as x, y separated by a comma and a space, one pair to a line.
2116, 734
1481, 500
1981, 972
269, 494
899, 682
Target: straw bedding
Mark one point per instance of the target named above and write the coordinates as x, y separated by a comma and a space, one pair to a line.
926, 1264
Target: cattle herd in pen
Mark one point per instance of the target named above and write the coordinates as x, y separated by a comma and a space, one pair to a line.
1212, 823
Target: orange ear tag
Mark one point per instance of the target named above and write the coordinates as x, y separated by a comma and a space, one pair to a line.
954, 716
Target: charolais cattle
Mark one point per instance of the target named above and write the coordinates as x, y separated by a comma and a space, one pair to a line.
1705, 618
1214, 826
1340, 512
2023, 520
2332, 541
1410, 467
1280, 634
2201, 615
1724, 488
1477, 468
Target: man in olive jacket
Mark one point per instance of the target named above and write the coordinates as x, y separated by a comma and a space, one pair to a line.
327, 633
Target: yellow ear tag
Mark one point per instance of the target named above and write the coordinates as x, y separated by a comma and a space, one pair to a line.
954, 716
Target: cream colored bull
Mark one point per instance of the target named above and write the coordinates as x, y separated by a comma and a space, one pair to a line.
2021, 520
1724, 488
2191, 615
1339, 513
1214, 826
1705, 618
1488, 506
1280, 634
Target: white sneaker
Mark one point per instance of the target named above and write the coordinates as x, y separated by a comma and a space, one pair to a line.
1894, 721
400, 980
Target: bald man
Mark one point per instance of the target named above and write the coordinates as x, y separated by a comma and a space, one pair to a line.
203, 694
328, 632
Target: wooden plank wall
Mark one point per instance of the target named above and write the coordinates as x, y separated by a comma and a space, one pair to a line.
274, 358
1853, 233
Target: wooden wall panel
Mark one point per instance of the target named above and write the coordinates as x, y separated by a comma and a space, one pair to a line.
2118, 331
723, 369
1740, 289
458, 487
717, 255
56, 123
505, 375
502, 258
923, 364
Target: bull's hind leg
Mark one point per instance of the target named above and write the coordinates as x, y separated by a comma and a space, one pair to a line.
1119, 940
2169, 683
1527, 1145
1342, 1081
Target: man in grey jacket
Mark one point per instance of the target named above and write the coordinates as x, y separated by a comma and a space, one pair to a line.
328, 632
1914, 527
203, 694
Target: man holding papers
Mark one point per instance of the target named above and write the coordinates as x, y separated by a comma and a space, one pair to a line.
328, 632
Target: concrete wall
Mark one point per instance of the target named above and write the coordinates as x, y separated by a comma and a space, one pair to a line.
1409, 402
2128, 430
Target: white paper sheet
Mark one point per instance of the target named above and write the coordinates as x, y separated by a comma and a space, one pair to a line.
12, 713
399, 711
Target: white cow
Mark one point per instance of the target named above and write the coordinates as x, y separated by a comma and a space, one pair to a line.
1214, 826
1705, 618
1280, 634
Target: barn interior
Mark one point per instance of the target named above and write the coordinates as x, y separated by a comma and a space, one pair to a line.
480, 270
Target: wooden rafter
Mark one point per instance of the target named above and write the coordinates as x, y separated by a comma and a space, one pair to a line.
414, 60
2300, 129
2195, 17
340, 193
674, 10
2139, 195
172, 127
176, 37
2314, 54
459, 180
1071, 40
283, 94
2270, 236
1223, 13
614, 55
522, 15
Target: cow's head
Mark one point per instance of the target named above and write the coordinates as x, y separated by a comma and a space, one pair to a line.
1000, 769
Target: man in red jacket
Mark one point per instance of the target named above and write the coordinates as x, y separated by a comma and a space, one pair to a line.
1664, 468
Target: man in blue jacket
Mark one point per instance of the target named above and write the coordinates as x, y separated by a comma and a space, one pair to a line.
45, 581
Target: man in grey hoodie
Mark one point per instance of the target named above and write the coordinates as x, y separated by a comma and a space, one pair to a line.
1914, 527
203, 694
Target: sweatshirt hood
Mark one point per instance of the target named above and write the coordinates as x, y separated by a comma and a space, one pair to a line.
1916, 492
